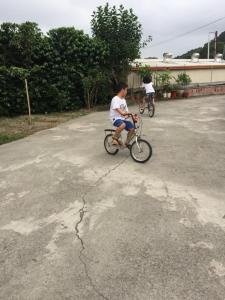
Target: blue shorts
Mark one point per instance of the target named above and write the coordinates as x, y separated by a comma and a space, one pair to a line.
150, 95
128, 124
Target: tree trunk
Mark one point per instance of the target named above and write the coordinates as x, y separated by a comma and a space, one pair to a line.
96, 93
88, 101
92, 95
114, 77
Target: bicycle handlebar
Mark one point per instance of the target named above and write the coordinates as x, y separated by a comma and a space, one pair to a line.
131, 115
134, 119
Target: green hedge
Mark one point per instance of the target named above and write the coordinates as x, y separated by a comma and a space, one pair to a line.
55, 66
46, 94
12, 91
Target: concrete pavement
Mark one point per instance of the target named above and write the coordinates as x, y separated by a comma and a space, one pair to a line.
76, 223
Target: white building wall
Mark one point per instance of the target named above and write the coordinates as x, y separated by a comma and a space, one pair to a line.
197, 76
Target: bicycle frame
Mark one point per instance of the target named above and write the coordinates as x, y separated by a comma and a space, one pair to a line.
136, 127
147, 99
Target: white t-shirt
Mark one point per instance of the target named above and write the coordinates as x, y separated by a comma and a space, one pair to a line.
116, 103
148, 87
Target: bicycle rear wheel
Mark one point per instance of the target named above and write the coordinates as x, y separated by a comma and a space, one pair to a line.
151, 110
110, 149
141, 151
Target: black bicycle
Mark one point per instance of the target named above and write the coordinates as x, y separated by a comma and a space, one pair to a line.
140, 149
149, 104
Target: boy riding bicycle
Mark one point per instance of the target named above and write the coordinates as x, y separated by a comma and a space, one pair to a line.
119, 114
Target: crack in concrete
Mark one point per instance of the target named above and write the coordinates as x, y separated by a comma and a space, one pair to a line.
82, 213
194, 199
167, 190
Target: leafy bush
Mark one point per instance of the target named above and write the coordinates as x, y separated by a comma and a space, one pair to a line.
164, 81
66, 69
183, 79
121, 30
144, 71
12, 91
56, 84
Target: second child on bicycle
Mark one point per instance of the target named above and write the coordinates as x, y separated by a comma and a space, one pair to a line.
149, 89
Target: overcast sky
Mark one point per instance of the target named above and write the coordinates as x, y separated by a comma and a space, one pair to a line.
160, 18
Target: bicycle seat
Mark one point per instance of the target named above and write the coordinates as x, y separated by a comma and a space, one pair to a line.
111, 130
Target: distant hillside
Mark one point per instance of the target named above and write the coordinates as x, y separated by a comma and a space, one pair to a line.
203, 51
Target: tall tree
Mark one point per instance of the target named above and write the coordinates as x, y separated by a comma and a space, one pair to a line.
72, 56
26, 41
122, 32
8, 51
21, 45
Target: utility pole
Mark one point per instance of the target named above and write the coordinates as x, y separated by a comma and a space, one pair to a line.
28, 102
216, 33
209, 42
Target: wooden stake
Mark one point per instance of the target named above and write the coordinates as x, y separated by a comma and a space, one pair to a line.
28, 101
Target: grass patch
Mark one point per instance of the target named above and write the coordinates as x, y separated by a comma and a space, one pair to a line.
12, 129
10, 138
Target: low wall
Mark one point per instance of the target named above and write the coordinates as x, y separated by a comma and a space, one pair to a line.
137, 95
203, 75
206, 90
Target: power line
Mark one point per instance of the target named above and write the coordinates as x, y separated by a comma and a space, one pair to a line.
186, 33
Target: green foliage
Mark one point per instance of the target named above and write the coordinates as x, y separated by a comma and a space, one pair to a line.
73, 56
21, 45
164, 77
75, 51
188, 54
203, 51
12, 100
8, 55
54, 68
96, 84
183, 79
219, 49
65, 68
122, 33
144, 71
163, 80
7, 139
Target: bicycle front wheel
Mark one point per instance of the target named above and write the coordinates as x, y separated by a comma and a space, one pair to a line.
108, 144
141, 151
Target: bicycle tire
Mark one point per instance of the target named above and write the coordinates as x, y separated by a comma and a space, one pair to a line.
114, 151
151, 110
149, 154
141, 109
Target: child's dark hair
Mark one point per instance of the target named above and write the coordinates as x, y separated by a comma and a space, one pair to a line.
121, 86
147, 79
